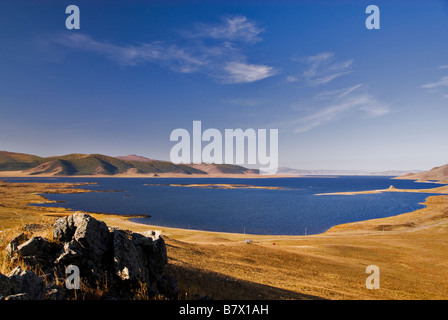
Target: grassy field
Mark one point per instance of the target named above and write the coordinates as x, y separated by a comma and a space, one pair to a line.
410, 250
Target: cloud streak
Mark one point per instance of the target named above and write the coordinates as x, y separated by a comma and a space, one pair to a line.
443, 82
178, 59
329, 106
338, 105
238, 72
232, 28
321, 69
223, 60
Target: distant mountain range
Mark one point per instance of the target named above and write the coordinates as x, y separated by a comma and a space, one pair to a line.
77, 164
97, 164
299, 172
435, 174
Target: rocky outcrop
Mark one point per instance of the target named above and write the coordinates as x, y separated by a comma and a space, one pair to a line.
14, 243
121, 262
35, 252
21, 285
87, 243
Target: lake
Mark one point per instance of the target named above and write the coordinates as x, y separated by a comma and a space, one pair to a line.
292, 209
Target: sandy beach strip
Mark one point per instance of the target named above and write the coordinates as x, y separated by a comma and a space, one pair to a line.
441, 190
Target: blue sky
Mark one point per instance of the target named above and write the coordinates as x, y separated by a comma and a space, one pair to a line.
342, 96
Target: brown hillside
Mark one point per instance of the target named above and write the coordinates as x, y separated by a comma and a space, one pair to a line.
437, 173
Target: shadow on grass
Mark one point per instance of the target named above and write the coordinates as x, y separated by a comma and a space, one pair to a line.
196, 284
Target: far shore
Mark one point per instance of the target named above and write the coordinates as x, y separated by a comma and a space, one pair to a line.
21, 174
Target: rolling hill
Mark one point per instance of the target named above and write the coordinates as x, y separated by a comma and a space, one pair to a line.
134, 157
437, 173
97, 164
11, 161
222, 168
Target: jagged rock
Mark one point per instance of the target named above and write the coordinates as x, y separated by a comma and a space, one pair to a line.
139, 259
132, 257
64, 229
11, 248
22, 282
152, 254
127, 262
142, 240
71, 253
36, 251
123, 259
153, 234
90, 233
36, 246
87, 244
7, 287
160, 251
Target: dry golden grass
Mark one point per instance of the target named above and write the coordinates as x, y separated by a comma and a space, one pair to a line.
411, 251
16, 197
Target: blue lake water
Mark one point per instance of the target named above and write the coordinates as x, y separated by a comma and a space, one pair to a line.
289, 211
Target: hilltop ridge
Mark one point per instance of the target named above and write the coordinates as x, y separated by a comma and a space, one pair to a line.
78, 164
437, 173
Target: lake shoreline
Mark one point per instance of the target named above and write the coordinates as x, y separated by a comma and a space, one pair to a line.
20, 174
126, 219
441, 190
306, 226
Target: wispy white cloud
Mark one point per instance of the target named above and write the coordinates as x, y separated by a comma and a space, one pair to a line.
221, 60
321, 69
231, 28
239, 72
322, 116
329, 106
292, 79
374, 109
339, 93
178, 59
327, 78
443, 82
338, 104
320, 57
